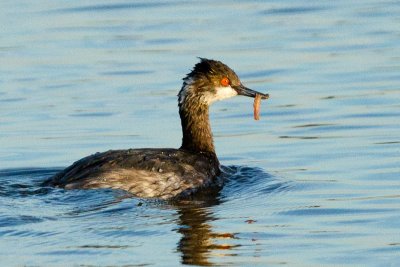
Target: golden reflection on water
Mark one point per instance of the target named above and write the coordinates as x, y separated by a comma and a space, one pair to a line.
198, 241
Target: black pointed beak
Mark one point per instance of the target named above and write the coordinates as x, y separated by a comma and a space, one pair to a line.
242, 90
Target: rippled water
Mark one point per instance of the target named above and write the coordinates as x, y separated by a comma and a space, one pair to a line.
315, 182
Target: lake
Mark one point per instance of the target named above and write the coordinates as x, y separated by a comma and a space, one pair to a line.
314, 182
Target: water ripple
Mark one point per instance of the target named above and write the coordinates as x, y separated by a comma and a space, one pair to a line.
242, 181
112, 7
18, 220
292, 10
318, 211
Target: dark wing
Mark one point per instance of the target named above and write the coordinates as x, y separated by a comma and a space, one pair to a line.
144, 172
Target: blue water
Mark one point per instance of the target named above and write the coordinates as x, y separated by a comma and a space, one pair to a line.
315, 182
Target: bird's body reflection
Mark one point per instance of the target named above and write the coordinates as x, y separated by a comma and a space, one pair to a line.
198, 238
198, 241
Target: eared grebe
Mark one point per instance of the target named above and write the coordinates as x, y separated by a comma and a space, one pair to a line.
166, 173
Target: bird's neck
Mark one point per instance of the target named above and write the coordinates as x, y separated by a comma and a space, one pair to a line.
196, 129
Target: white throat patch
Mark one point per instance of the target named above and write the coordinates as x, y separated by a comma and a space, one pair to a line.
223, 92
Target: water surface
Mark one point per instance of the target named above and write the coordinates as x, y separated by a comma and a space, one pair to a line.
314, 182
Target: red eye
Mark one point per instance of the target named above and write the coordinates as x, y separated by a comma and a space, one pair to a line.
225, 81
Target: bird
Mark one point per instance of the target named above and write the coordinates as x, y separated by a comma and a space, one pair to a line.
166, 173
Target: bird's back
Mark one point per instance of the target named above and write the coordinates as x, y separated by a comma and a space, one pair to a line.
160, 173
